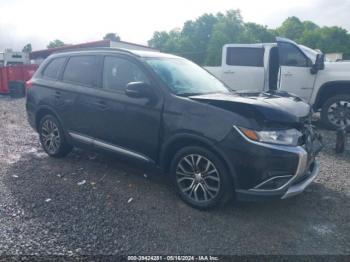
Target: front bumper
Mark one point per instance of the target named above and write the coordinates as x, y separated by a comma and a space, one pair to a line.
281, 187
299, 187
293, 187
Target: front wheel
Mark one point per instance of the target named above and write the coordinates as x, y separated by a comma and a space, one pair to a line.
200, 177
336, 111
52, 137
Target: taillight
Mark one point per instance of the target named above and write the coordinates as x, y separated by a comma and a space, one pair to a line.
29, 84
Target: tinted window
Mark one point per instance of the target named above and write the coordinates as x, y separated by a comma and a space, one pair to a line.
290, 55
82, 70
53, 69
118, 72
245, 56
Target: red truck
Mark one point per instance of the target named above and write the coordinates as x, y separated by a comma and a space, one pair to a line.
13, 78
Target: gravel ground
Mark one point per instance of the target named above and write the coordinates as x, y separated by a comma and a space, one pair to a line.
89, 204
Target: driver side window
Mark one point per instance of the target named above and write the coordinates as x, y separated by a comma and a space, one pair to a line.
292, 56
118, 72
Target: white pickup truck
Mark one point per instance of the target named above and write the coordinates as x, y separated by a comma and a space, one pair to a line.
293, 68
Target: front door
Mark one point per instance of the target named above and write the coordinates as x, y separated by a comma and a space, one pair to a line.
128, 125
295, 76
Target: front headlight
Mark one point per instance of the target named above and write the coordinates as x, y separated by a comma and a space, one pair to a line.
287, 137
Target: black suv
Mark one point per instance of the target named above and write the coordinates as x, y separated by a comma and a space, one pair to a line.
165, 111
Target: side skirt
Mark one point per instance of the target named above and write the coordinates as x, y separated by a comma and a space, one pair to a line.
110, 147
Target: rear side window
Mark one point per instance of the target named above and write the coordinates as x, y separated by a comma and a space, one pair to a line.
82, 70
53, 69
245, 56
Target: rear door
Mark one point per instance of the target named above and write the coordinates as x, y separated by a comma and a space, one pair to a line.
243, 67
82, 77
295, 75
54, 93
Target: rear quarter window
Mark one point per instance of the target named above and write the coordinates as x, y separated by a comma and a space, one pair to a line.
82, 70
53, 69
245, 56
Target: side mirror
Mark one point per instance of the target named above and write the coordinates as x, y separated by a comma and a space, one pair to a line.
139, 90
319, 64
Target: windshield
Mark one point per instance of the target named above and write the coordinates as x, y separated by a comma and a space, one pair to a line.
184, 77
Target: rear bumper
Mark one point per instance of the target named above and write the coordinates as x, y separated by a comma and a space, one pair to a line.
31, 115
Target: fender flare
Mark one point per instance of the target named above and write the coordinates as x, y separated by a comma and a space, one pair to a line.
201, 140
52, 111
318, 99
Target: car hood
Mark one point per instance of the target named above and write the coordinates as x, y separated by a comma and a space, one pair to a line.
278, 107
336, 66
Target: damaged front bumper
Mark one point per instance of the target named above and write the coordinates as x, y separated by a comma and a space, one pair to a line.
290, 185
310, 176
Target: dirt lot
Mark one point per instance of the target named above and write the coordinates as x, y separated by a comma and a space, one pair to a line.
46, 208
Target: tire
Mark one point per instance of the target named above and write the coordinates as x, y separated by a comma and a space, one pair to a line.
336, 111
196, 187
52, 137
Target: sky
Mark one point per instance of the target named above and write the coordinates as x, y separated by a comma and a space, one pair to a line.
76, 21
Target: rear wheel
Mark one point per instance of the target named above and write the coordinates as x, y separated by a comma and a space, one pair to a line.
52, 137
336, 111
200, 177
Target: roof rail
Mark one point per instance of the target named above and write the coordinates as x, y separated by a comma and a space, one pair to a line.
95, 49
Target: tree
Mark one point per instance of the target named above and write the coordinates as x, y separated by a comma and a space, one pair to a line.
311, 39
228, 29
202, 39
112, 37
196, 36
333, 39
159, 40
55, 43
255, 33
27, 48
310, 26
327, 39
291, 28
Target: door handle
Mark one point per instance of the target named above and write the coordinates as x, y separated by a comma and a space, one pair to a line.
101, 105
229, 72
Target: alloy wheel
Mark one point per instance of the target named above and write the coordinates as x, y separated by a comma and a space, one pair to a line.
198, 178
339, 113
50, 136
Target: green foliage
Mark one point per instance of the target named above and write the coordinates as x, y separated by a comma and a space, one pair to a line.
255, 33
291, 28
327, 39
112, 37
201, 40
27, 48
55, 43
228, 29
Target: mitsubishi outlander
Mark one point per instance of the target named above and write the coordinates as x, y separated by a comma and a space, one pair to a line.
165, 111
